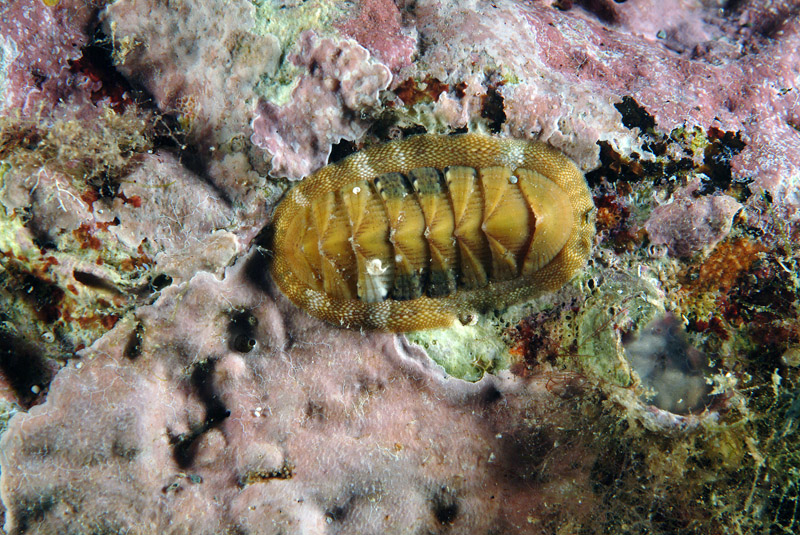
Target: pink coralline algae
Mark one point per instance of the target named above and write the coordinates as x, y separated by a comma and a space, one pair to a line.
340, 84
204, 73
688, 224
37, 44
299, 428
378, 29
160, 383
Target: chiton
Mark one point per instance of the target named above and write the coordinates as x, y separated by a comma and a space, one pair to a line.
419, 233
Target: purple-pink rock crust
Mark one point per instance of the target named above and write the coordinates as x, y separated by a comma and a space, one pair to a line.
167, 423
688, 225
315, 430
341, 83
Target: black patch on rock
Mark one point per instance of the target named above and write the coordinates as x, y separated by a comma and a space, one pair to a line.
133, 348
160, 281
717, 164
183, 445
257, 266
242, 331
492, 109
341, 150
615, 168
444, 506
634, 115
23, 365
602, 9
93, 281
44, 296
490, 395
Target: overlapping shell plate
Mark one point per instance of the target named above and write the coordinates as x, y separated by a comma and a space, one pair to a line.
418, 233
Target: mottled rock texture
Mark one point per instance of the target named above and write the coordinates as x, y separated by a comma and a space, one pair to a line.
339, 86
313, 430
687, 225
37, 46
152, 380
379, 27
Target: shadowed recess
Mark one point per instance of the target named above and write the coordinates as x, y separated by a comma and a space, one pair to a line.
341, 150
491, 395
23, 366
183, 445
257, 265
93, 281
242, 331
492, 109
160, 281
133, 348
717, 164
633, 114
444, 506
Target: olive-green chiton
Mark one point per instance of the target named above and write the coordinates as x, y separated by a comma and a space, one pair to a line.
418, 233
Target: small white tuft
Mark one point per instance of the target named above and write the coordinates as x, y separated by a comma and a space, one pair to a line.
375, 267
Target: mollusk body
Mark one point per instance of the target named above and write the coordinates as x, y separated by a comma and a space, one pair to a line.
418, 233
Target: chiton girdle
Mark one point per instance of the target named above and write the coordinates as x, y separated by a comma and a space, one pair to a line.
416, 233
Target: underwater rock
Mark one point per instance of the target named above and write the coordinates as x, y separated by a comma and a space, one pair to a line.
340, 85
378, 28
308, 428
206, 402
205, 74
37, 44
690, 224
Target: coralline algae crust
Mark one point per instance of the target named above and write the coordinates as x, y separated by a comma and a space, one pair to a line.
206, 402
286, 22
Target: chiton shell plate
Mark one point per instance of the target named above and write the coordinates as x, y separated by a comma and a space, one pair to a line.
415, 234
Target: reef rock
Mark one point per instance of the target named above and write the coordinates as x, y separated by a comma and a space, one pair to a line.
220, 409
688, 224
153, 380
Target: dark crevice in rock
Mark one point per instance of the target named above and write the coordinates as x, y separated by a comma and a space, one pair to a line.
201, 379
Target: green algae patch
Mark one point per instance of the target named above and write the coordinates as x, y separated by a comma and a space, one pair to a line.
7, 410
6, 57
465, 351
285, 21
621, 303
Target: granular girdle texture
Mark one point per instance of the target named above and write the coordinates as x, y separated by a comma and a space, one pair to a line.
417, 233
